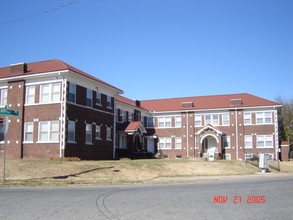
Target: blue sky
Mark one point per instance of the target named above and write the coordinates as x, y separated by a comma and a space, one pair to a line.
159, 48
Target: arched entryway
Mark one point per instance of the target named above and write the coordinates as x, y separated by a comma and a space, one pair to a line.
209, 144
137, 142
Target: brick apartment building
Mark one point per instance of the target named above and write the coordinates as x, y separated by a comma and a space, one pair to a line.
67, 112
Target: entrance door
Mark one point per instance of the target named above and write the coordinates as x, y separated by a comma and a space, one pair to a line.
209, 144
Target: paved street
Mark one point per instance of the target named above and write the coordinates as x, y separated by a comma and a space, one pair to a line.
232, 198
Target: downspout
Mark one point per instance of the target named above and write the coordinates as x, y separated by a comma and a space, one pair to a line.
114, 129
236, 130
63, 116
187, 136
276, 135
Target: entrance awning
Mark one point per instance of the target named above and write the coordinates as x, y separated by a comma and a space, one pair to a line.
209, 127
135, 126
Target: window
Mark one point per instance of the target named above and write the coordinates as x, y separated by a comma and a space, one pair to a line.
248, 156
226, 142
50, 93
226, 119
150, 122
264, 141
3, 97
123, 115
98, 98
247, 118
178, 121
98, 132
164, 122
263, 118
49, 131
109, 102
248, 141
212, 119
109, 134
71, 131
178, 143
88, 134
30, 95
28, 131
197, 120
130, 116
72, 93
89, 98
165, 143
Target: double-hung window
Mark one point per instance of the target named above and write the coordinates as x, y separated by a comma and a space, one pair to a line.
226, 119
226, 141
109, 102
164, 122
247, 118
165, 143
72, 93
48, 131
98, 98
88, 133
248, 141
109, 134
71, 131
3, 97
28, 132
263, 118
178, 121
98, 132
197, 120
50, 93
212, 119
30, 95
178, 143
264, 141
89, 98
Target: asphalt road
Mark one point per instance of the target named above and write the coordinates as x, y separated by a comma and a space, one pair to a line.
232, 198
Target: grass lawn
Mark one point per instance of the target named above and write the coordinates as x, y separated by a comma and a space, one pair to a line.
113, 172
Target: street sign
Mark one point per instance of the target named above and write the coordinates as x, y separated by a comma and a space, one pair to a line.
6, 111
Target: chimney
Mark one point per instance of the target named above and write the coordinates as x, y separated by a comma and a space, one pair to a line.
137, 103
18, 68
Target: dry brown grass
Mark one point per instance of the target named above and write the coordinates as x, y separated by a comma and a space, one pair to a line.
59, 173
284, 166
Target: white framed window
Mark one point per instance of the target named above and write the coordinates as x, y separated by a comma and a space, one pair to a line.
109, 102
109, 134
98, 98
196, 140
130, 116
48, 131
212, 119
72, 93
226, 119
88, 133
3, 97
30, 95
123, 115
123, 141
28, 132
89, 97
248, 156
247, 118
226, 142
264, 118
164, 122
98, 132
71, 132
178, 121
227, 156
50, 93
197, 120
248, 141
165, 143
264, 141
178, 143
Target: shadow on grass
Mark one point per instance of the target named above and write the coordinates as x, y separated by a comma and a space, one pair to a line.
72, 175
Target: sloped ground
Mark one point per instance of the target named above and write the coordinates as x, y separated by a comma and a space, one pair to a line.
116, 172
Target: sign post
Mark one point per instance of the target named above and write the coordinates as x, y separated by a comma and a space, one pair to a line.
6, 112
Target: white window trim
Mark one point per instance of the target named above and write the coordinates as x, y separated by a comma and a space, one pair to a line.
264, 137
48, 132
165, 121
263, 118
177, 117
212, 119
27, 95
178, 138
109, 100
73, 86
109, 129
25, 131
246, 147
224, 114
50, 93
247, 117
228, 142
3, 101
98, 94
165, 143
199, 116
225, 156
89, 95
100, 136
91, 141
